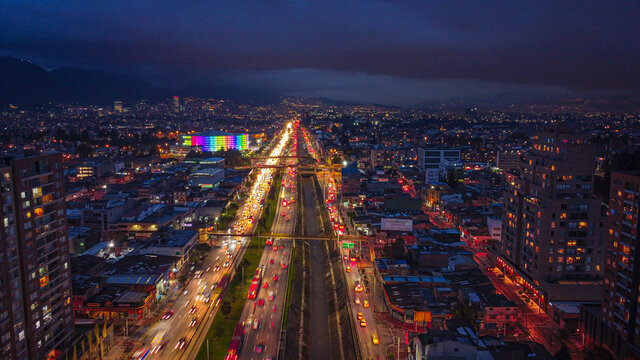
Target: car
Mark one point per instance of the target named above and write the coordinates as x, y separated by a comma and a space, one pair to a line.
271, 296
192, 310
348, 269
265, 285
281, 247
489, 268
216, 268
274, 308
363, 323
256, 325
357, 300
258, 349
193, 322
271, 261
261, 302
271, 326
358, 287
275, 248
269, 357
284, 265
275, 277
168, 314
360, 316
226, 264
365, 303
180, 344
374, 339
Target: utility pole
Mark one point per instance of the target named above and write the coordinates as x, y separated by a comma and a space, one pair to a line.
207, 349
398, 347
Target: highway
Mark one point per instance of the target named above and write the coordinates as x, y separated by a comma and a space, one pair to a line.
262, 323
361, 303
163, 339
180, 330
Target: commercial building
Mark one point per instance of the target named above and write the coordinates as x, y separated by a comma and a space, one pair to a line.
552, 225
433, 161
617, 325
36, 296
216, 140
207, 177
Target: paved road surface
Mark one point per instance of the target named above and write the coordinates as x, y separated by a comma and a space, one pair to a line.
268, 332
319, 328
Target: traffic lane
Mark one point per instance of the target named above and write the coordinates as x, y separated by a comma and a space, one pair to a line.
371, 328
179, 322
542, 334
366, 333
264, 335
173, 325
252, 312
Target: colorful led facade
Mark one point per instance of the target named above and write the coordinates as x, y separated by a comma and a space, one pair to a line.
216, 141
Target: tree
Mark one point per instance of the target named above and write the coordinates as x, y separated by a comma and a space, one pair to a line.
465, 311
234, 206
397, 249
84, 150
562, 354
225, 308
595, 352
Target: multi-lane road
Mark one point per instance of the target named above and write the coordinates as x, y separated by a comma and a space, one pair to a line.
262, 316
188, 316
179, 333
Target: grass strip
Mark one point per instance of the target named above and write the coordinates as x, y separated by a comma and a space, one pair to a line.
221, 330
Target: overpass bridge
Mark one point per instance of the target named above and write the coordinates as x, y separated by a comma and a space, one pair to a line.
352, 238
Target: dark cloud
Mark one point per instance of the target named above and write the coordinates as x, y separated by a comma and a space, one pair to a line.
575, 46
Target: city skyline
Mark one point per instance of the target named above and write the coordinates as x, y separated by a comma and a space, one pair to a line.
404, 53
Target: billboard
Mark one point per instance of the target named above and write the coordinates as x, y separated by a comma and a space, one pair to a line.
392, 224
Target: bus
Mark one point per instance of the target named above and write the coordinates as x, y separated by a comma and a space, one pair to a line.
255, 285
219, 290
236, 343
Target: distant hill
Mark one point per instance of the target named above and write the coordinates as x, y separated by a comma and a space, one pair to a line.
25, 84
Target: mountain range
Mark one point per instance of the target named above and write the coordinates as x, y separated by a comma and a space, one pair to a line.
27, 85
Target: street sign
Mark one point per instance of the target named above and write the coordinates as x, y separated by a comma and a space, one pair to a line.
347, 245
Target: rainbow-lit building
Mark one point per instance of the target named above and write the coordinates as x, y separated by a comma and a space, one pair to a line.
216, 140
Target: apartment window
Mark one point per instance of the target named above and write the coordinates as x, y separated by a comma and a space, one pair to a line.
23, 194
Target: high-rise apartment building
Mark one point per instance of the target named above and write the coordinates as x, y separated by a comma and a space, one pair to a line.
552, 225
620, 309
508, 159
35, 254
12, 327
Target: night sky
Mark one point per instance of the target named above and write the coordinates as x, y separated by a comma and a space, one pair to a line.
391, 52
